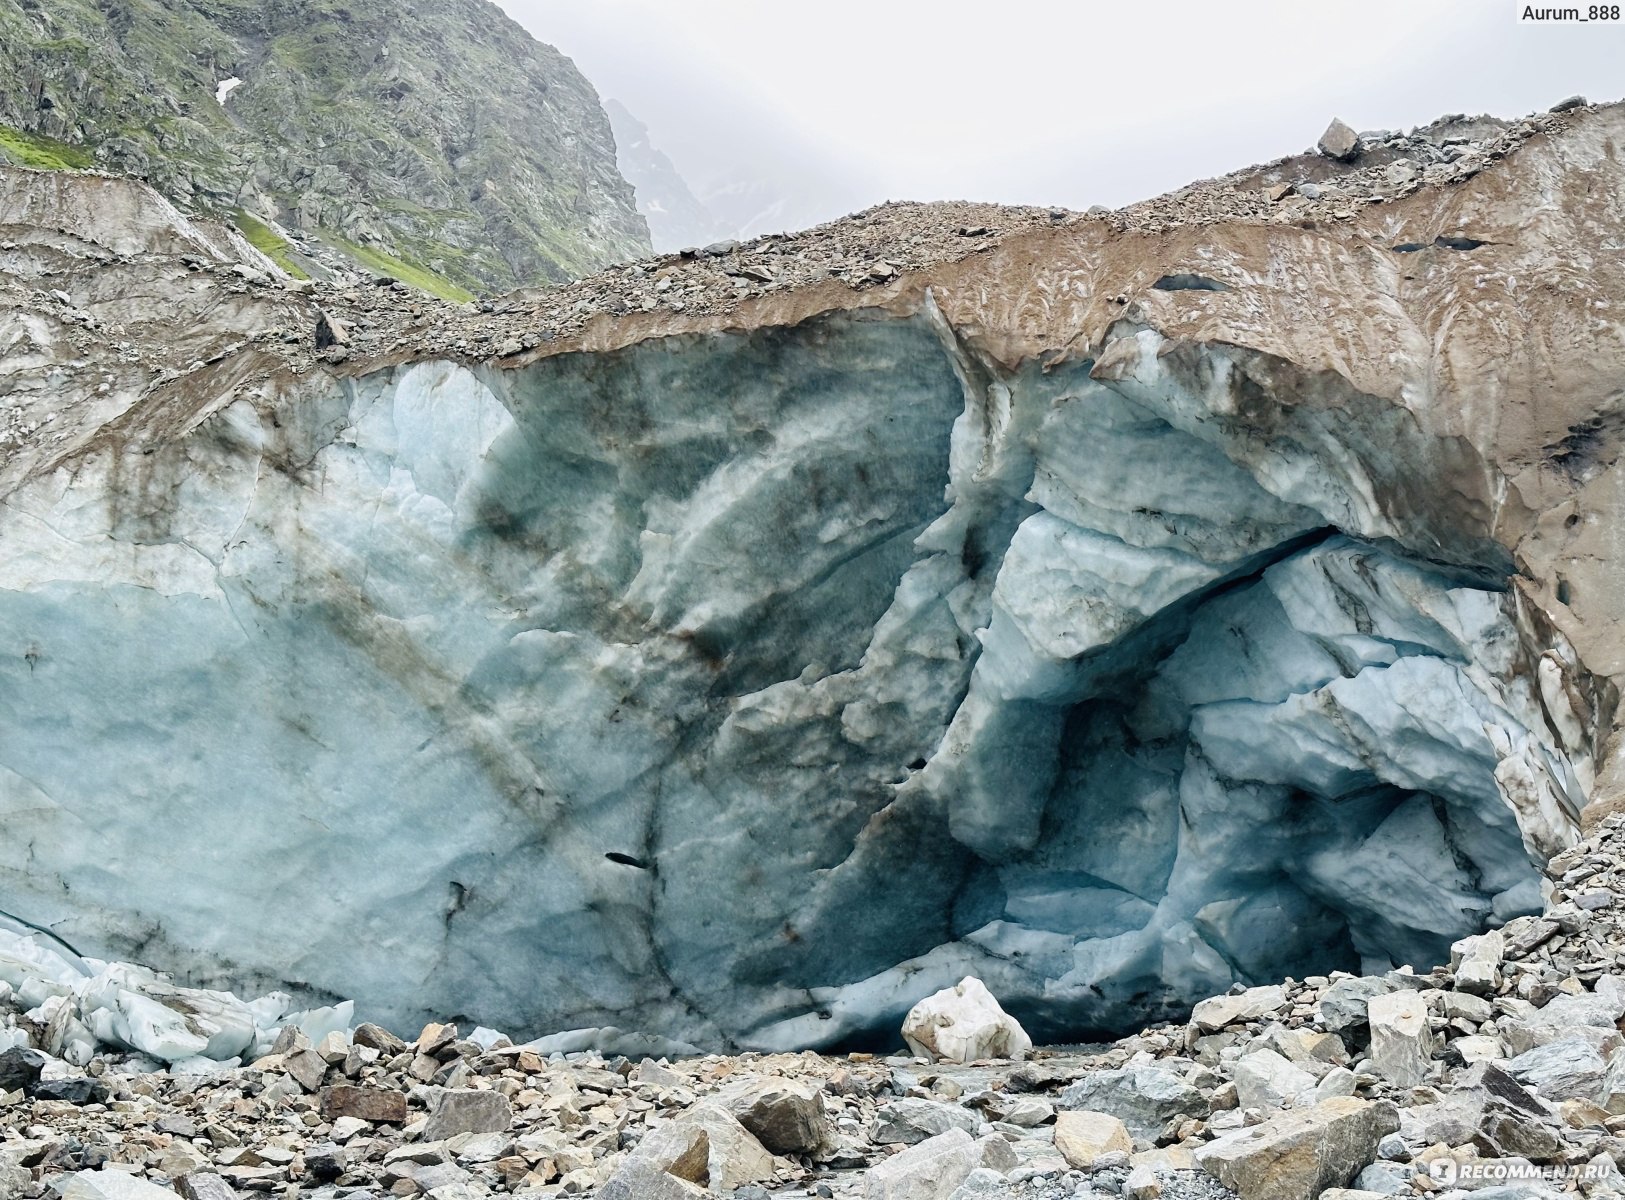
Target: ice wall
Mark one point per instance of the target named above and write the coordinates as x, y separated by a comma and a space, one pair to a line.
744, 689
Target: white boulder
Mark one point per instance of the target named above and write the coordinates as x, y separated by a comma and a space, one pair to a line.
962, 1024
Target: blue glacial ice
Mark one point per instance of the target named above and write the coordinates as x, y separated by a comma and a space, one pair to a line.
745, 689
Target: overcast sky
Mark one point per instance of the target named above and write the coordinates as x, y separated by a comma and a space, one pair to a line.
1031, 101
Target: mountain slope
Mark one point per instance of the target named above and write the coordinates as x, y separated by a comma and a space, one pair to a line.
436, 141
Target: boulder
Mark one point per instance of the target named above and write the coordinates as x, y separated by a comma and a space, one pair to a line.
658, 1074
1266, 1080
705, 1146
15, 1180
914, 1120
1477, 1048
641, 1180
1401, 1042
962, 1024
1345, 1004
932, 1170
1567, 1069
1476, 962
980, 1183
464, 1111
376, 1037
1339, 1081
205, 1185
1214, 1014
996, 1154
1145, 1097
1339, 142
20, 1068
1081, 1137
1309, 1046
81, 1090
678, 1148
306, 1067
1142, 1184
182, 1158
735, 1158
1300, 1153
112, 1185
325, 1162
377, 1105
1592, 1015
785, 1115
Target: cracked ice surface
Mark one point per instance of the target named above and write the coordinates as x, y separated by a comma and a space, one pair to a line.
744, 690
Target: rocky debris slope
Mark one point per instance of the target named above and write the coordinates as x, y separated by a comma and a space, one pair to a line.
877, 247
1114, 616
1500, 1076
438, 141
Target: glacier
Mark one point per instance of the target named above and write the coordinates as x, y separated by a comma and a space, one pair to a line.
743, 687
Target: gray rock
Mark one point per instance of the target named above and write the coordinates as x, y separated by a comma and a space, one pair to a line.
1145, 1098
111, 1185
1217, 1012
306, 1067
1339, 1081
205, 1185
1345, 1004
1402, 1043
1266, 1080
1453, 1118
931, 1170
1476, 962
649, 1071
678, 1149
910, 1121
1567, 1015
1385, 1178
20, 1068
1520, 1136
1392, 1148
1339, 142
1142, 1184
1300, 1153
639, 1180
996, 1153
1571, 102
457, 1112
81, 1091
787, 1116
1567, 1069
326, 1162
981, 1182
734, 1157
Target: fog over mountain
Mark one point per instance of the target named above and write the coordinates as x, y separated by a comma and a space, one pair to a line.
781, 116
